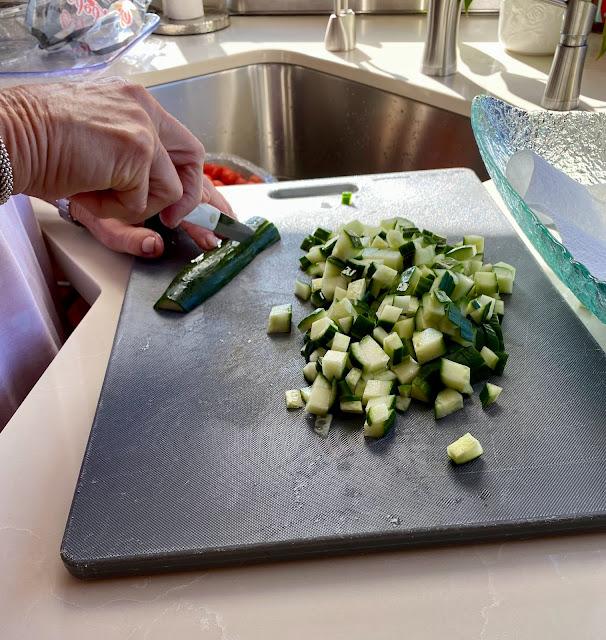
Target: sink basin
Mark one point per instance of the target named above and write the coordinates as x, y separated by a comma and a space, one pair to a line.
296, 122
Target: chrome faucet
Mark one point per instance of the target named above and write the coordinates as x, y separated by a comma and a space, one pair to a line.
564, 82
341, 29
440, 53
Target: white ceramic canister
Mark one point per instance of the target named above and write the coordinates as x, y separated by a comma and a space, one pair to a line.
530, 26
183, 9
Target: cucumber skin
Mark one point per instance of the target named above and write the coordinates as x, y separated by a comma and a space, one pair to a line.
200, 280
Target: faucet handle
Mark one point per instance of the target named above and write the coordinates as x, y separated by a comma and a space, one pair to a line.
341, 30
578, 21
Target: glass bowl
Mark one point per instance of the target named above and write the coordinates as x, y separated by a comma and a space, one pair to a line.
574, 142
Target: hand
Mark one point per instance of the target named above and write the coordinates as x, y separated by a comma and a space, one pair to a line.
109, 147
139, 241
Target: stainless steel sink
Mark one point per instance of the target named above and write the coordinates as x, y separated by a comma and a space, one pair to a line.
300, 123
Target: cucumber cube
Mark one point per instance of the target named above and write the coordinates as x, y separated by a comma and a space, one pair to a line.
428, 344
356, 289
379, 334
339, 294
490, 357
384, 276
465, 449
476, 241
407, 370
305, 324
279, 319
340, 342
402, 404
345, 324
447, 401
379, 421
333, 364
322, 396
489, 394
486, 282
389, 316
305, 393
323, 330
376, 389
394, 348
405, 328
351, 406
302, 290
404, 390
456, 376
353, 377
294, 399
310, 371
387, 401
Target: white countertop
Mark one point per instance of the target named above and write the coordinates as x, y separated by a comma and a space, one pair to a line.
549, 588
388, 56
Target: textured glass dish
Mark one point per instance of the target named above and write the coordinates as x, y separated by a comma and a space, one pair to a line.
574, 142
21, 58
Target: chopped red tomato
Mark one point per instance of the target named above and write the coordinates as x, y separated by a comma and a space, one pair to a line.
222, 175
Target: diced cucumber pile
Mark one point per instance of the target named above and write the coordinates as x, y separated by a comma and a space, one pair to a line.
399, 314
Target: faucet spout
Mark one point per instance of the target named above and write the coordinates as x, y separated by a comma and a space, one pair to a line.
440, 53
564, 83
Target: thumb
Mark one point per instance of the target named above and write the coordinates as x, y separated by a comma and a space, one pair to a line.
120, 236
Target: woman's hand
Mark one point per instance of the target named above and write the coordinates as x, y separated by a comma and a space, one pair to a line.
109, 147
123, 237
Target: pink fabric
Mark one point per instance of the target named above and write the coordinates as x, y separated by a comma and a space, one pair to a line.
30, 331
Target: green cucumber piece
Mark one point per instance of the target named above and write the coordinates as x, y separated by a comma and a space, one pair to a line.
447, 401
465, 449
280, 318
293, 399
489, 394
211, 271
302, 290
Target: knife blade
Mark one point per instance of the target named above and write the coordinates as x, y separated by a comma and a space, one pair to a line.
211, 218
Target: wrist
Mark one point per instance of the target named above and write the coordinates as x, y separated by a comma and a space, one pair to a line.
17, 135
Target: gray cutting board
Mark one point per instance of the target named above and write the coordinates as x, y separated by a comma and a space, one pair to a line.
193, 461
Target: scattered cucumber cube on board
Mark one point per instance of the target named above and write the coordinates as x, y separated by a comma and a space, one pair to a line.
322, 425
489, 394
399, 309
346, 198
279, 319
465, 449
294, 399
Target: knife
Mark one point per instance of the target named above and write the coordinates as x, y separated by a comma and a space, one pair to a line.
211, 218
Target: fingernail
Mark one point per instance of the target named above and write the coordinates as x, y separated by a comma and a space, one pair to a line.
148, 246
213, 241
170, 224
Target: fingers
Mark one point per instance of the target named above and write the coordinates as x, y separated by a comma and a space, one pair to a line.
217, 199
204, 238
120, 236
190, 176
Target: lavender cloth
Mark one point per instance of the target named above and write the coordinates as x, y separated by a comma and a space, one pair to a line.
30, 332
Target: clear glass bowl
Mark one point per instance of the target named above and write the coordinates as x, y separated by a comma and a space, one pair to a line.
574, 142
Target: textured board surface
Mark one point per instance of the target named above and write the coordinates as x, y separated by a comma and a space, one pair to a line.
194, 461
